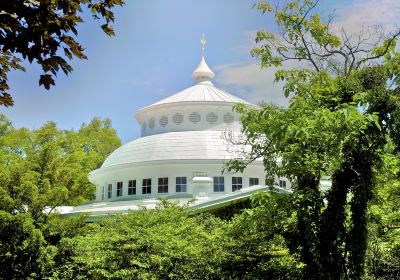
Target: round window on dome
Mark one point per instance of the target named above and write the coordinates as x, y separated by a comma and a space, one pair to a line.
163, 121
152, 123
144, 127
228, 118
212, 118
177, 118
194, 117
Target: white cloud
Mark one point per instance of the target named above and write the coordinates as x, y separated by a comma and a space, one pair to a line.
250, 82
366, 13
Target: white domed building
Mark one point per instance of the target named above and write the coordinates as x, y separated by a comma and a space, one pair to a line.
179, 156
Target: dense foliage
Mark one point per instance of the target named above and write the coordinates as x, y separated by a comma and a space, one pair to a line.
45, 32
170, 243
383, 253
48, 167
343, 111
261, 241
40, 170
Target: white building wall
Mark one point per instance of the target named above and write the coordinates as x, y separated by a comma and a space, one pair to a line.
221, 111
138, 173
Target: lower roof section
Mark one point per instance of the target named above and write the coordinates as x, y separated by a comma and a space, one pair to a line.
185, 145
97, 210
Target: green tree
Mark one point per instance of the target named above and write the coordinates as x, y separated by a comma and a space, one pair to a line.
258, 241
48, 167
45, 32
171, 243
336, 125
23, 250
383, 254
40, 170
164, 243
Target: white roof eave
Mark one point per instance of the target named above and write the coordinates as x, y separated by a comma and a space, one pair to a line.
147, 109
103, 210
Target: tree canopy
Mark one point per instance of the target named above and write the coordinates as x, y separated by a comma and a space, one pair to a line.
45, 32
343, 103
49, 167
39, 170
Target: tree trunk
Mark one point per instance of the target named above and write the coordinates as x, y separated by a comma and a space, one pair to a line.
309, 203
332, 232
361, 193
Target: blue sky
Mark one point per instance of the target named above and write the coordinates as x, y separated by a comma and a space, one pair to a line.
153, 54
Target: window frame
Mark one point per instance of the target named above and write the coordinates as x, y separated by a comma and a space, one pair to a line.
256, 180
132, 187
146, 186
282, 184
219, 186
236, 185
181, 187
109, 191
163, 185
120, 187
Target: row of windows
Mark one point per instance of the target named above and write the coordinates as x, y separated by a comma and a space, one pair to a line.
146, 186
194, 117
219, 184
180, 185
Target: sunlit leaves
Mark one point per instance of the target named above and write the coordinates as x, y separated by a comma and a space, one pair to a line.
341, 113
49, 167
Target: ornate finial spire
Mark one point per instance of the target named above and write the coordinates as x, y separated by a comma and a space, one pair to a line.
203, 73
203, 42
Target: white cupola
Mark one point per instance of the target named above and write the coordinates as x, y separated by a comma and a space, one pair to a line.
199, 107
203, 74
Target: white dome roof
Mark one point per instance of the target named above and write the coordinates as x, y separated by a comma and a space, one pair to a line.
201, 92
185, 145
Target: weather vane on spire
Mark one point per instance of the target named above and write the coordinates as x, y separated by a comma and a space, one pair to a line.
203, 43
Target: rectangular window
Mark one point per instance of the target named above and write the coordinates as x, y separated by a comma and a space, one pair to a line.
102, 192
219, 184
282, 184
146, 186
119, 188
132, 187
163, 185
253, 182
180, 184
109, 193
236, 183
